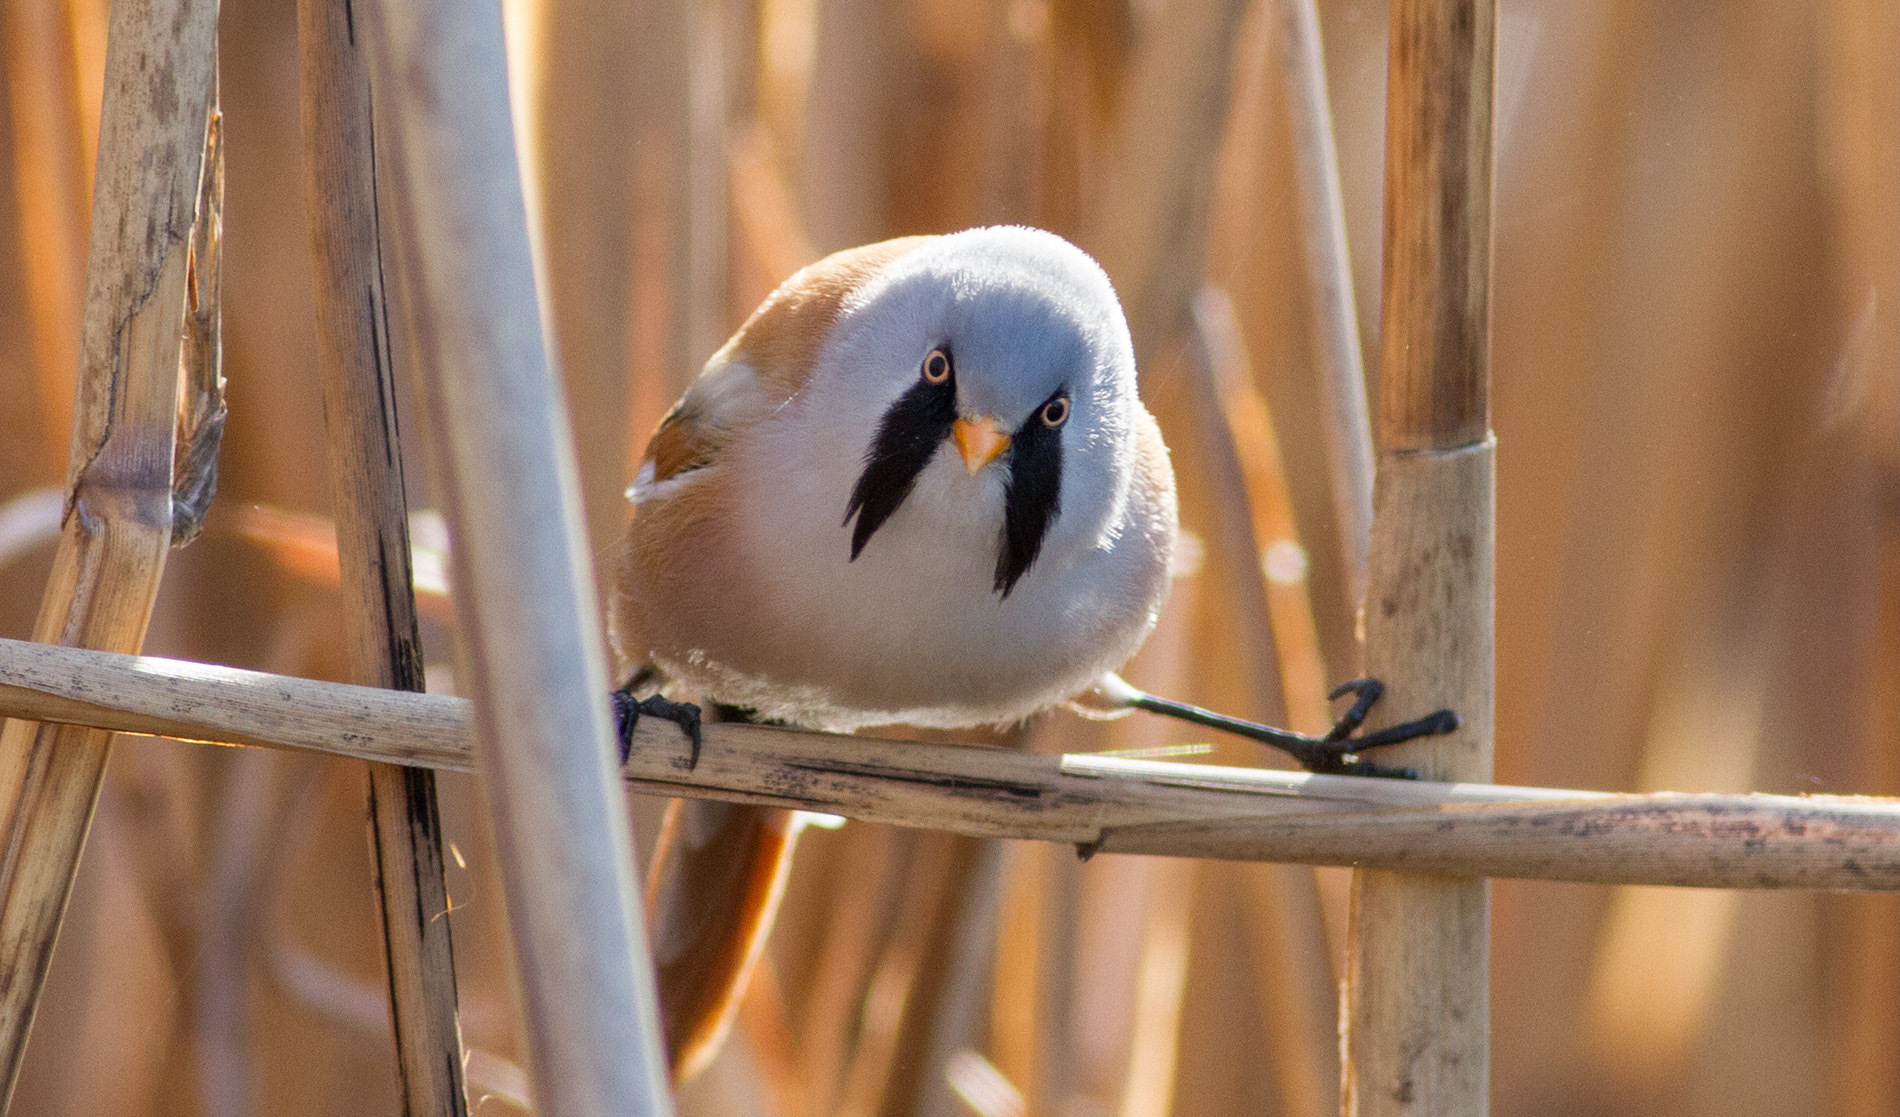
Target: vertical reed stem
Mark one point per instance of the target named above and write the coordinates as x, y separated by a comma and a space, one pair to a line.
1418, 1010
160, 75
366, 478
532, 646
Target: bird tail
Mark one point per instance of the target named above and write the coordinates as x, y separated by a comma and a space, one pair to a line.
713, 890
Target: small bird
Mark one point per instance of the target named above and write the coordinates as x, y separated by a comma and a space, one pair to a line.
916, 487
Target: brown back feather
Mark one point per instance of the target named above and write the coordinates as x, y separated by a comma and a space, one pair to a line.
780, 342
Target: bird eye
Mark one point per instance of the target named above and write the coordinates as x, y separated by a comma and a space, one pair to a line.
936, 367
1055, 412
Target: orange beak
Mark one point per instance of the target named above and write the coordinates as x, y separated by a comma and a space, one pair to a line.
979, 441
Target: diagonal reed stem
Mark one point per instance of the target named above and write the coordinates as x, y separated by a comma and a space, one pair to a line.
532, 646
160, 82
372, 531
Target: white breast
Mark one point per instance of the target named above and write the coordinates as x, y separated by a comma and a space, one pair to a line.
913, 631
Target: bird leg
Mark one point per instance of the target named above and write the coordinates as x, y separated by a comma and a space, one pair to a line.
1336, 753
628, 711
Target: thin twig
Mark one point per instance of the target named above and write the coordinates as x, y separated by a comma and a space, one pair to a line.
1117, 805
160, 76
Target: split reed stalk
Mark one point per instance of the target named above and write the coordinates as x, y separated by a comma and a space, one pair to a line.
532, 648
160, 81
1417, 1010
383, 634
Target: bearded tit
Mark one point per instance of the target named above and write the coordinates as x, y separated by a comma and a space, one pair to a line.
917, 487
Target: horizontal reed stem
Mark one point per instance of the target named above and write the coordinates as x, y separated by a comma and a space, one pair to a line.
1113, 804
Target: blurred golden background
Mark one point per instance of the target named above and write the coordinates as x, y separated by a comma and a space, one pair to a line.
1696, 392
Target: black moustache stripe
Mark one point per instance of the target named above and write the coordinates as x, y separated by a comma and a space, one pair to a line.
1033, 497
907, 439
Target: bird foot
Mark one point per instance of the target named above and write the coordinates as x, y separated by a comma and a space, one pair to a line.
628, 710
1336, 753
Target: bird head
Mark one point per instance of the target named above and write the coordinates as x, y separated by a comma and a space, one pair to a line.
992, 367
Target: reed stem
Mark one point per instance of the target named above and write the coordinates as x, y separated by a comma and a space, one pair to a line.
1842, 843
1417, 1012
161, 67
372, 532
532, 646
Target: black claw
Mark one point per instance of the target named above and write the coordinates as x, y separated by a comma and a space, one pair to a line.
628, 711
1431, 725
1337, 752
1367, 689
625, 714
1367, 692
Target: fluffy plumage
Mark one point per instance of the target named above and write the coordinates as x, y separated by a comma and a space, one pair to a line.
918, 487
808, 543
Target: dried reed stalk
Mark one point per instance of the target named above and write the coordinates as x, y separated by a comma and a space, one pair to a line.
844, 101
1859, 41
1105, 803
1329, 275
1021, 932
1160, 991
532, 645
764, 213
766, 1024
1417, 1007
160, 77
383, 634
